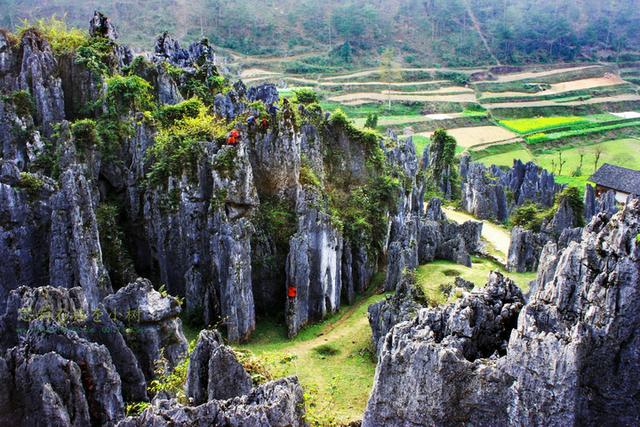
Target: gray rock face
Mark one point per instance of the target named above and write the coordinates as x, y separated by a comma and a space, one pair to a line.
443, 239
491, 193
214, 371
582, 321
38, 75
525, 249
267, 93
56, 373
592, 204
277, 403
151, 324
572, 357
76, 256
436, 369
314, 268
167, 48
526, 245
403, 305
70, 310
24, 225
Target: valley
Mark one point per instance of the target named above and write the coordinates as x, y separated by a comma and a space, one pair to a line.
238, 233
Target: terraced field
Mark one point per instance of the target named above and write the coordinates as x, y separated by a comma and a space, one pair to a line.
531, 114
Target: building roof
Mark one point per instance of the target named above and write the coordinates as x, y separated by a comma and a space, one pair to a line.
617, 178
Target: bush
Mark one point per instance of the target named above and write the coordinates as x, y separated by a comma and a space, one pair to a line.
173, 381
85, 134
63, 40
263, 368
22, 102
178, 146
308, 177
305, 96
326, 350
97, 54
372, 121
167, 115
30, 183
528, 215
114, 251
130, 93
224, 161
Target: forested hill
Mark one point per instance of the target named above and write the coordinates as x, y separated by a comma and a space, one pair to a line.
423, 32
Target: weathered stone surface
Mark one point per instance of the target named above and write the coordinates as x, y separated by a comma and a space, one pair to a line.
583, 322
24, 233
491, 193
76, 256
70, 310
437, 369
572, 358
214, 371
151, 322
277, 403
55, 373
38, 75
314, 267
403, 305
525, 249
48, 391
267, 93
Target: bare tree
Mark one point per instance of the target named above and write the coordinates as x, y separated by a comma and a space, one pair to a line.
597, 153
561, 162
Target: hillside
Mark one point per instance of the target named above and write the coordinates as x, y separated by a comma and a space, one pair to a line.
337, 33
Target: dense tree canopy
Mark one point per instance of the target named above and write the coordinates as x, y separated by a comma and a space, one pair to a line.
453, 32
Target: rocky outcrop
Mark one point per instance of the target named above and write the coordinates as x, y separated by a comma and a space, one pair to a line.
571, 358
526, 244
220, 392
417, 236
444, 239
492, 193
277, 403
70, 310
314, 268
214, 371
436, 369
592, 204
150, 320
403, 305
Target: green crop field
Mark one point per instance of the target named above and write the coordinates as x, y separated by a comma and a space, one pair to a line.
537, 124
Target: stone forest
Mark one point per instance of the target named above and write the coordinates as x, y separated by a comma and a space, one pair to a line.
184, 243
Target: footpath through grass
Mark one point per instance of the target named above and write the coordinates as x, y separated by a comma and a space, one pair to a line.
333, 359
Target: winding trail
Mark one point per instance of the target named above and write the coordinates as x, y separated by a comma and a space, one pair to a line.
495, 235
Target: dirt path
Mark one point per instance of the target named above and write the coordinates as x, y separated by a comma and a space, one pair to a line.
602, 100
496, 236
560, 88
366, 97
533, 74
476, 25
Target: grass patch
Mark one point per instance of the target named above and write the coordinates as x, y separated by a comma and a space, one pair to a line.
431, 277
326, 350
335, 383
619, 152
